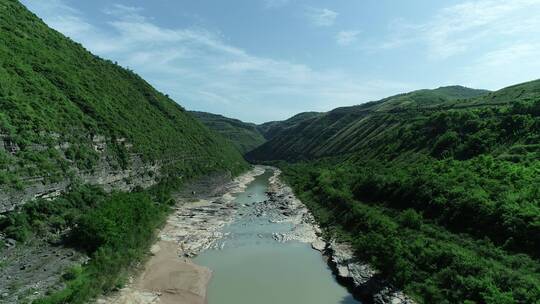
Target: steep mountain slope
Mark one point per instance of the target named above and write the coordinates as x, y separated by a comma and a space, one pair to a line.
244, 136
346, 129
67, 114
271, 129
90, 156
439, 194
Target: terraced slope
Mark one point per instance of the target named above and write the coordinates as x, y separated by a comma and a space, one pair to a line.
348, 129
244, 136
271, 129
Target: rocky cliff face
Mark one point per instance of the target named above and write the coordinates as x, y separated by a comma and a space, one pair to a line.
67, 115
360, 277
107, 172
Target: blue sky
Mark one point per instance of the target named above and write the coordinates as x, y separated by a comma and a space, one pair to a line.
262, 60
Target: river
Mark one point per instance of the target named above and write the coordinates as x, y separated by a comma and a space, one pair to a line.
252, 267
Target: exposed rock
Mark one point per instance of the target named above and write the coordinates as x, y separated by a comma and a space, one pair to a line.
10, 242
319, 245
8, 144
170, 277
283, 206
359, 276
196, 226
29, 270
136, 174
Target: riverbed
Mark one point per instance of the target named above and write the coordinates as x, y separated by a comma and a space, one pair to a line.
256, 262
248, 240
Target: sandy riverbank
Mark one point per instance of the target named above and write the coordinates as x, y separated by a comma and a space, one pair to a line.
169, 276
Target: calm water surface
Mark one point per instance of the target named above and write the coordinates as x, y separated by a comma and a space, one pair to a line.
253, 268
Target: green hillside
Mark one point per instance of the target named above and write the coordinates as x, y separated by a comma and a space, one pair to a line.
343, 130
438, 191
54, 91
244, 136
271, 129
73, 127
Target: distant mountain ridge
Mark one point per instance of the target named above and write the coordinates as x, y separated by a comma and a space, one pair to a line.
347, 129
248, 137
244, 136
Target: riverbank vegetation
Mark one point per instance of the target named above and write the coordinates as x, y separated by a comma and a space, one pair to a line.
116, 233
439, 249
114, 229
441, 195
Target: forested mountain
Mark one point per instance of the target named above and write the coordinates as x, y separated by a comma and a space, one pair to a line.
271, 129
248, 136
346, 129
244, 136
437, 190
87, 148
64, 109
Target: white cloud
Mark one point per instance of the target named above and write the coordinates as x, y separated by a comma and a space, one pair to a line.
345, 38
124, 12
321, 16
202, 71
468, 25
478, 43
120, 9
501, 67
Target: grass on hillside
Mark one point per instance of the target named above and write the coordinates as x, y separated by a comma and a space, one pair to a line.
244, 136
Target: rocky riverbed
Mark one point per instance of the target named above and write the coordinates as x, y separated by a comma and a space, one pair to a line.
361, 279
196, 224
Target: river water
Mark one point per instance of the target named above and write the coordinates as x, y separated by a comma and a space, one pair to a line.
253, 268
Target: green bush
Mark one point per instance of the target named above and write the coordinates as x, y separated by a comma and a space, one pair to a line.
410, 219
116, 233
420, 253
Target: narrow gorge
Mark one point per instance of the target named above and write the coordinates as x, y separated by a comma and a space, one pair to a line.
156, 152
250, 240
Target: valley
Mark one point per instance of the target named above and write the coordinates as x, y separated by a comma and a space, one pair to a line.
423, 184
111, 192
239, 232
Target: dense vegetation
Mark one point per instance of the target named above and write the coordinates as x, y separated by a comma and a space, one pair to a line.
440, 194
244, 136
431, 264
273, 128
344, 130
55, 97
115, 230
64, 111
